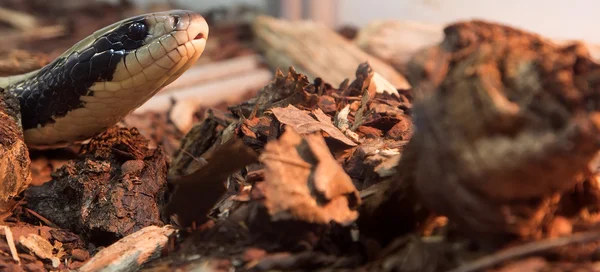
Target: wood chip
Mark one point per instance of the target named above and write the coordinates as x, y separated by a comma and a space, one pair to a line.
131, 252
11, 243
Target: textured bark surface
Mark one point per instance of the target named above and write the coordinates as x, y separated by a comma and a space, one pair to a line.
505, 123
116, 187
14, 156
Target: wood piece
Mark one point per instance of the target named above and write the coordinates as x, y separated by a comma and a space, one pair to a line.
206, 184
11, 243
20, 20
212, 72
13, 39
131, 252
39, 246
317, 51
211, 92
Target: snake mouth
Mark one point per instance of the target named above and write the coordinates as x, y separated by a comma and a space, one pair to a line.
199, 36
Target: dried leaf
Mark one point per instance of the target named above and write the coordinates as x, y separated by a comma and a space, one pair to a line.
304, 124
304, 182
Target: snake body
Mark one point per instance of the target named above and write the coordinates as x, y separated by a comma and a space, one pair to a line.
105, 76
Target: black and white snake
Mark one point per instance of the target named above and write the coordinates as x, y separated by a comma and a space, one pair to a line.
105, 76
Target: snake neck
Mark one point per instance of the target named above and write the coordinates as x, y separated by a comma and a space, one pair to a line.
56, 89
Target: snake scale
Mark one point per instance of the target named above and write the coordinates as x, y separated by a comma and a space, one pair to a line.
105, 76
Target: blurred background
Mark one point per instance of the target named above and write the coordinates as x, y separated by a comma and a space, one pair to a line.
555, 18
250, 39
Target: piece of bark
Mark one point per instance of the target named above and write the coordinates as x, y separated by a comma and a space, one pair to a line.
7, 233
40, 247
214, 72
188, 159
132, 251
19, 20
209, 93
116, 187
207, 183
15, 176
506, 123
317, 51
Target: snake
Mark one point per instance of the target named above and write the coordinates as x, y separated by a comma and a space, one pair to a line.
102, 78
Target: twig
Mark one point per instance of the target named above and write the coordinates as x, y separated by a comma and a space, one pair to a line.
528, 249
11, 243
41, 218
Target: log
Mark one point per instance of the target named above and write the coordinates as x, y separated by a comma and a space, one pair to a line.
317, 51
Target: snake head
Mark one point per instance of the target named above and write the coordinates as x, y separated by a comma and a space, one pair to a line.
107, 75
167, 43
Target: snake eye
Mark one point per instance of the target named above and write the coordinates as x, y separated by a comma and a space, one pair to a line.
137, 31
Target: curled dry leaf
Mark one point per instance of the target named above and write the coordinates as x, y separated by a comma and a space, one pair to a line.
305, 124
304, 182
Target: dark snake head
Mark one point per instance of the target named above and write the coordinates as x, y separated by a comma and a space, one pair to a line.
107, 75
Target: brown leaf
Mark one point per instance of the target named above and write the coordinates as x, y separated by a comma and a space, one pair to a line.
304, 182
304, 124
